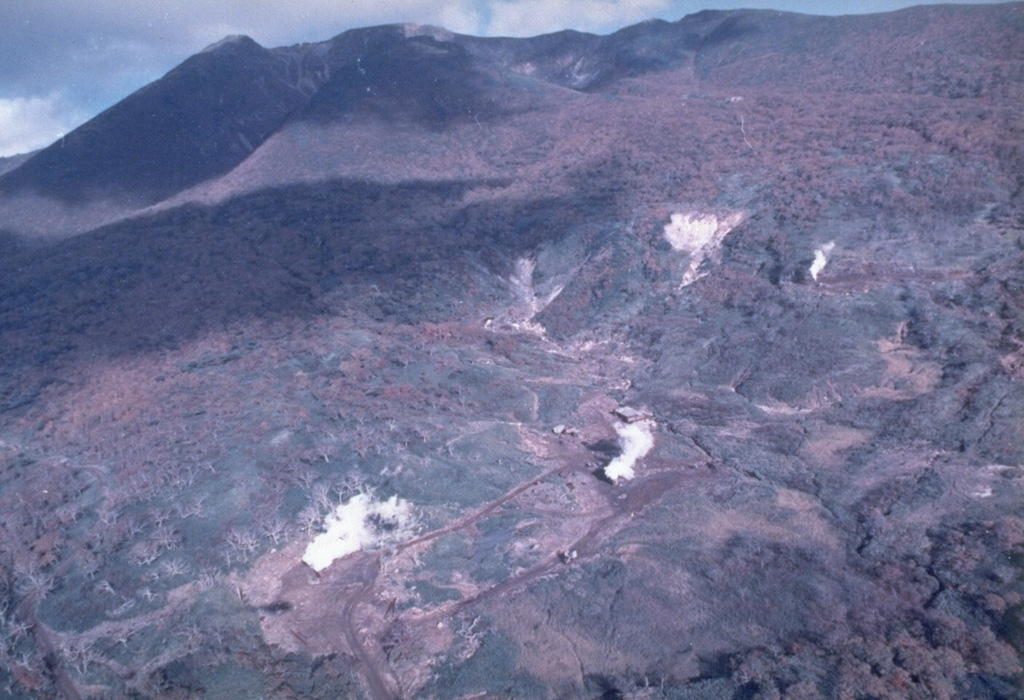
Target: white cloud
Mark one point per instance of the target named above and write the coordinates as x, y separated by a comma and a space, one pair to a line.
532, 17
28, 123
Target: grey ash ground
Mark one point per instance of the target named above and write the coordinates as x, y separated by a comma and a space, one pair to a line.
409, 264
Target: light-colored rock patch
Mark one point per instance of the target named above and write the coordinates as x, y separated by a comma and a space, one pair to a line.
700, 236
827, 445
529, 301
908, 373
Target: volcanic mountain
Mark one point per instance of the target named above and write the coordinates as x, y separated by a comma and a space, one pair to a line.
682, 362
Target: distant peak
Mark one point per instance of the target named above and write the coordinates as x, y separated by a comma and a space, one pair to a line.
232, 40
436, 33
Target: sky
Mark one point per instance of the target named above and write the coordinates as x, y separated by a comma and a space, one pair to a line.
64, 61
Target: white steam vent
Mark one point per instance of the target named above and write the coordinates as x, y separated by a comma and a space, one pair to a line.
360, 523
699, 236
636, 440
530, 301
821, 259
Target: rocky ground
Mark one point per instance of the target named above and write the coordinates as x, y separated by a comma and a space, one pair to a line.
812, 292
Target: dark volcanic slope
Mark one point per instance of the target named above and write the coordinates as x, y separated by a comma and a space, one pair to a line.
795, 244
200, 120
206, 116
419, 79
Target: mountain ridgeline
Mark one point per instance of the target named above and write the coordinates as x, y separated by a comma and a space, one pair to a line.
209, 114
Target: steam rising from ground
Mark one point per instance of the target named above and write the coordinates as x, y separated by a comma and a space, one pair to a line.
358, 524
636, 440
821, 259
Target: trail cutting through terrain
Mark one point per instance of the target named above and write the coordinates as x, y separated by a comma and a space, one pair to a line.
364, 610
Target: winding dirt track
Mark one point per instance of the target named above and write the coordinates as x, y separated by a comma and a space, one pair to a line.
620, 505
374, 667
362, 607
374, 670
